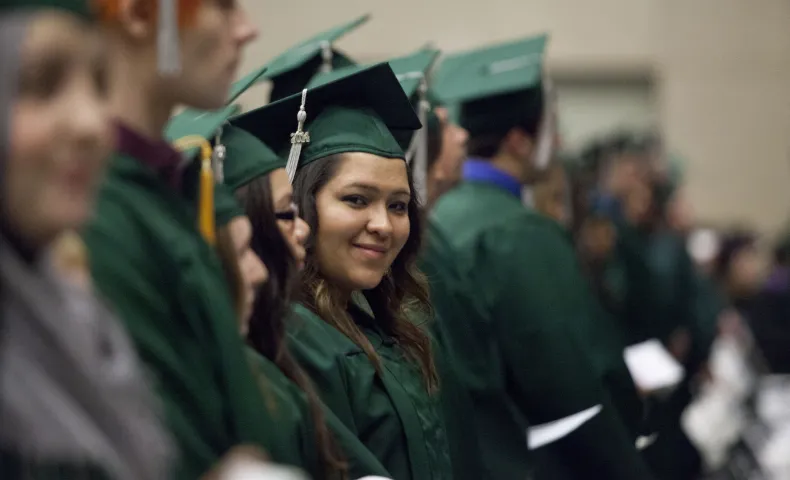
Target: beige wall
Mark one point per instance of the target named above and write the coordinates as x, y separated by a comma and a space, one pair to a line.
722, 69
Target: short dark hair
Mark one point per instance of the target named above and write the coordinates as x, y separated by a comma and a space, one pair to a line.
489, 120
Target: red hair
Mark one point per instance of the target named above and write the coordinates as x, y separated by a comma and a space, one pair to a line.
109, 10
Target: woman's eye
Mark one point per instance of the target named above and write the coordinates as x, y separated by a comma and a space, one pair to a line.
43, 81
355, 200
399, 207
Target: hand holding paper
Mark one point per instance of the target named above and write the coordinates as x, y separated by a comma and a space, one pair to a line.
652, 367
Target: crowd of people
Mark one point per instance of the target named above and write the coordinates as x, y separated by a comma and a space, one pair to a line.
388, 270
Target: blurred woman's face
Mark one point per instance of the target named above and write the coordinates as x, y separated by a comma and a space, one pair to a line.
551, 196
60, 134
252, 271
293, 229
745, 271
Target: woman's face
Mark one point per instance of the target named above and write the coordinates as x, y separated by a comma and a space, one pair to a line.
253, 271
293, 228
447, 168
60, 132
363, 220
745, 271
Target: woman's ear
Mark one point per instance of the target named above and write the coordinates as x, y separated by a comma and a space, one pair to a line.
136, 18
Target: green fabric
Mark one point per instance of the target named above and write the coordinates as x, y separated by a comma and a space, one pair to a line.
289, 407
527, 350
79, 7
205, 124
628, 277
166, 284
491, 71
391, 413
226, 207
493, 88
356, 113
410, 71
293, 69
457, 409
246, 158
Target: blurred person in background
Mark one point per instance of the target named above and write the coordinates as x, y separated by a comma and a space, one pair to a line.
771, 321
522, 359
146, 255
446, 154
74, 402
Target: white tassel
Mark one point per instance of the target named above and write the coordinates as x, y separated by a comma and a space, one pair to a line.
417, 155
218, 158
545, 145
326, 57
298, 138
168, 43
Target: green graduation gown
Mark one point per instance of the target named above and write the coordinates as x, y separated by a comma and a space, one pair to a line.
289, 407
166, 283
392, 413
520, 340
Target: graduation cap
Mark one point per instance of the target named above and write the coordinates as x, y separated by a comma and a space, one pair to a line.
493, 89
238, 157
247, 158
355, 113
79, 7
292, 70
412, 72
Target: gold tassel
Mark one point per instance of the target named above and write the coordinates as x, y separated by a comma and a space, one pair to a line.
298, 138
206, 216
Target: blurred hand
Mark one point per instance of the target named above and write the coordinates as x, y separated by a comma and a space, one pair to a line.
246, 462
730, 324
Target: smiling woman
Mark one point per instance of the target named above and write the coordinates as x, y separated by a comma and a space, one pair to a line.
357, 333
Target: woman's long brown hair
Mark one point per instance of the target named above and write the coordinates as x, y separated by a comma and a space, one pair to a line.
402, 293
272, 306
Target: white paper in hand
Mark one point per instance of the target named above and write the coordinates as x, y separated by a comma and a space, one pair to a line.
652, 367
546, 433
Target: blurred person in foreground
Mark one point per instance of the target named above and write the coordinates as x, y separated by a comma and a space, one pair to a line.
146, 255
74, 402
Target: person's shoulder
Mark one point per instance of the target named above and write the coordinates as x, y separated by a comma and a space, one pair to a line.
308, 331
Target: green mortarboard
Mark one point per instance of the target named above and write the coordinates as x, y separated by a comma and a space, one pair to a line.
208, 125
246, 157
493, 87
412, 72
80, 7
292, 70
355, 113
496, 88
